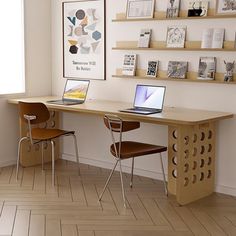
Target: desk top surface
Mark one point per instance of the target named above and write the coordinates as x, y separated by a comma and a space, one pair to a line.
170, 115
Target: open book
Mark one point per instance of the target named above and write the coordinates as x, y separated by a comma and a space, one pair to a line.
213, 38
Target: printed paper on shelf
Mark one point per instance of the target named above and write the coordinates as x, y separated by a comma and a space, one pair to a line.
144, 38
152, 68
129, 64
207, 68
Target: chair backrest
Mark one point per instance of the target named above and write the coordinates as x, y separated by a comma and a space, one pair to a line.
37, 109
117, 125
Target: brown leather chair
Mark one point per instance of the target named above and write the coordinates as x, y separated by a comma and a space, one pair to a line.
34, 114
122, 150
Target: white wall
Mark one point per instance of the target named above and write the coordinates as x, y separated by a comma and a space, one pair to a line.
94, 139
38, 73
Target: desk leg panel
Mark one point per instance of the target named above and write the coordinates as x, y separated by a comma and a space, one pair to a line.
31, 155
191, 159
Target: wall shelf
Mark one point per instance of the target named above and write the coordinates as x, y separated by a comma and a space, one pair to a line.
183, 15
191, 77
161, 46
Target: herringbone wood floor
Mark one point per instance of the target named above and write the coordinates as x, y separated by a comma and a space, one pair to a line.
32, 207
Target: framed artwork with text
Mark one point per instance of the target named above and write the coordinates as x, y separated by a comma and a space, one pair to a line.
84, 39
224, 7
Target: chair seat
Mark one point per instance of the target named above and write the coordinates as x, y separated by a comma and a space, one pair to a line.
133, 149
47, 134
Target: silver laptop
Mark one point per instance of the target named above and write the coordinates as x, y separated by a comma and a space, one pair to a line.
75, 92
149, 99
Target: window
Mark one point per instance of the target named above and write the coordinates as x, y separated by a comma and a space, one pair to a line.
12, 61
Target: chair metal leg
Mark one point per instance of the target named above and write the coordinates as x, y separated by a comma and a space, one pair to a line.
76, 151
164, 177
122, 185
108, 180
18, 156
42, 155
53, 164
132, 173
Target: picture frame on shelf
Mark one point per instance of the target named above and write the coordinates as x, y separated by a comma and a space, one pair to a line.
140, 9
84, 39
152, 68
175, 37
172, 9
225, 7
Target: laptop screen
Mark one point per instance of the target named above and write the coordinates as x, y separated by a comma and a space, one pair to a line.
148, 96
76, 89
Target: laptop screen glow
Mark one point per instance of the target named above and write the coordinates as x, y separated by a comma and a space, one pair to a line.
76, 89
149, 96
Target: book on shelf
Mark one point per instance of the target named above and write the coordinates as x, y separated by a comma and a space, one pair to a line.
144, 38
235, 40
152, 68
176, 36
177, 69
129, 64
172, 9
213, 38
197, 8
207, 68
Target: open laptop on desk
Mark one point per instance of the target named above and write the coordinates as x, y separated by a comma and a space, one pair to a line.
75, 92
149, 99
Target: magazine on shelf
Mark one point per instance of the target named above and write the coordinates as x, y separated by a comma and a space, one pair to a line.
172, 9
177, 69
197, 8
152, 68
144, 38
176, 36
129, 64
213, 38
207, 68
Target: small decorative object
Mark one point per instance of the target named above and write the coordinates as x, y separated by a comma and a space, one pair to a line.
144, 38
152, 68
229, 69
176, 36
177, 69
197, 8
84, 39
172, 10
226, 7
213, 38
140, 9
129, 64
207, 68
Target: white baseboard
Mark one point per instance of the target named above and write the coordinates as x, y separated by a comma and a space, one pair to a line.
225, 190
7, 163
146, 173
109, 165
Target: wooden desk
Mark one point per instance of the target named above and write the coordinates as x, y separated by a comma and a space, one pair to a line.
191, 142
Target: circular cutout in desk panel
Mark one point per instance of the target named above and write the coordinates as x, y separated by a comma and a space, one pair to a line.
174, 147
174, 160
210, 134
194, 138
186, 140
175, 134
174, 173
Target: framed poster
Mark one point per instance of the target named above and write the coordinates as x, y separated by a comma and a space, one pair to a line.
140, 9
84, 39
224, 7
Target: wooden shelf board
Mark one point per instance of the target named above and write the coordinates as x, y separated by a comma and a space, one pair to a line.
191, 77
172, 79
161, 15
161, 45
175, 49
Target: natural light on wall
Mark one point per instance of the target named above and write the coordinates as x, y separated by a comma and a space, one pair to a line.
12, 62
